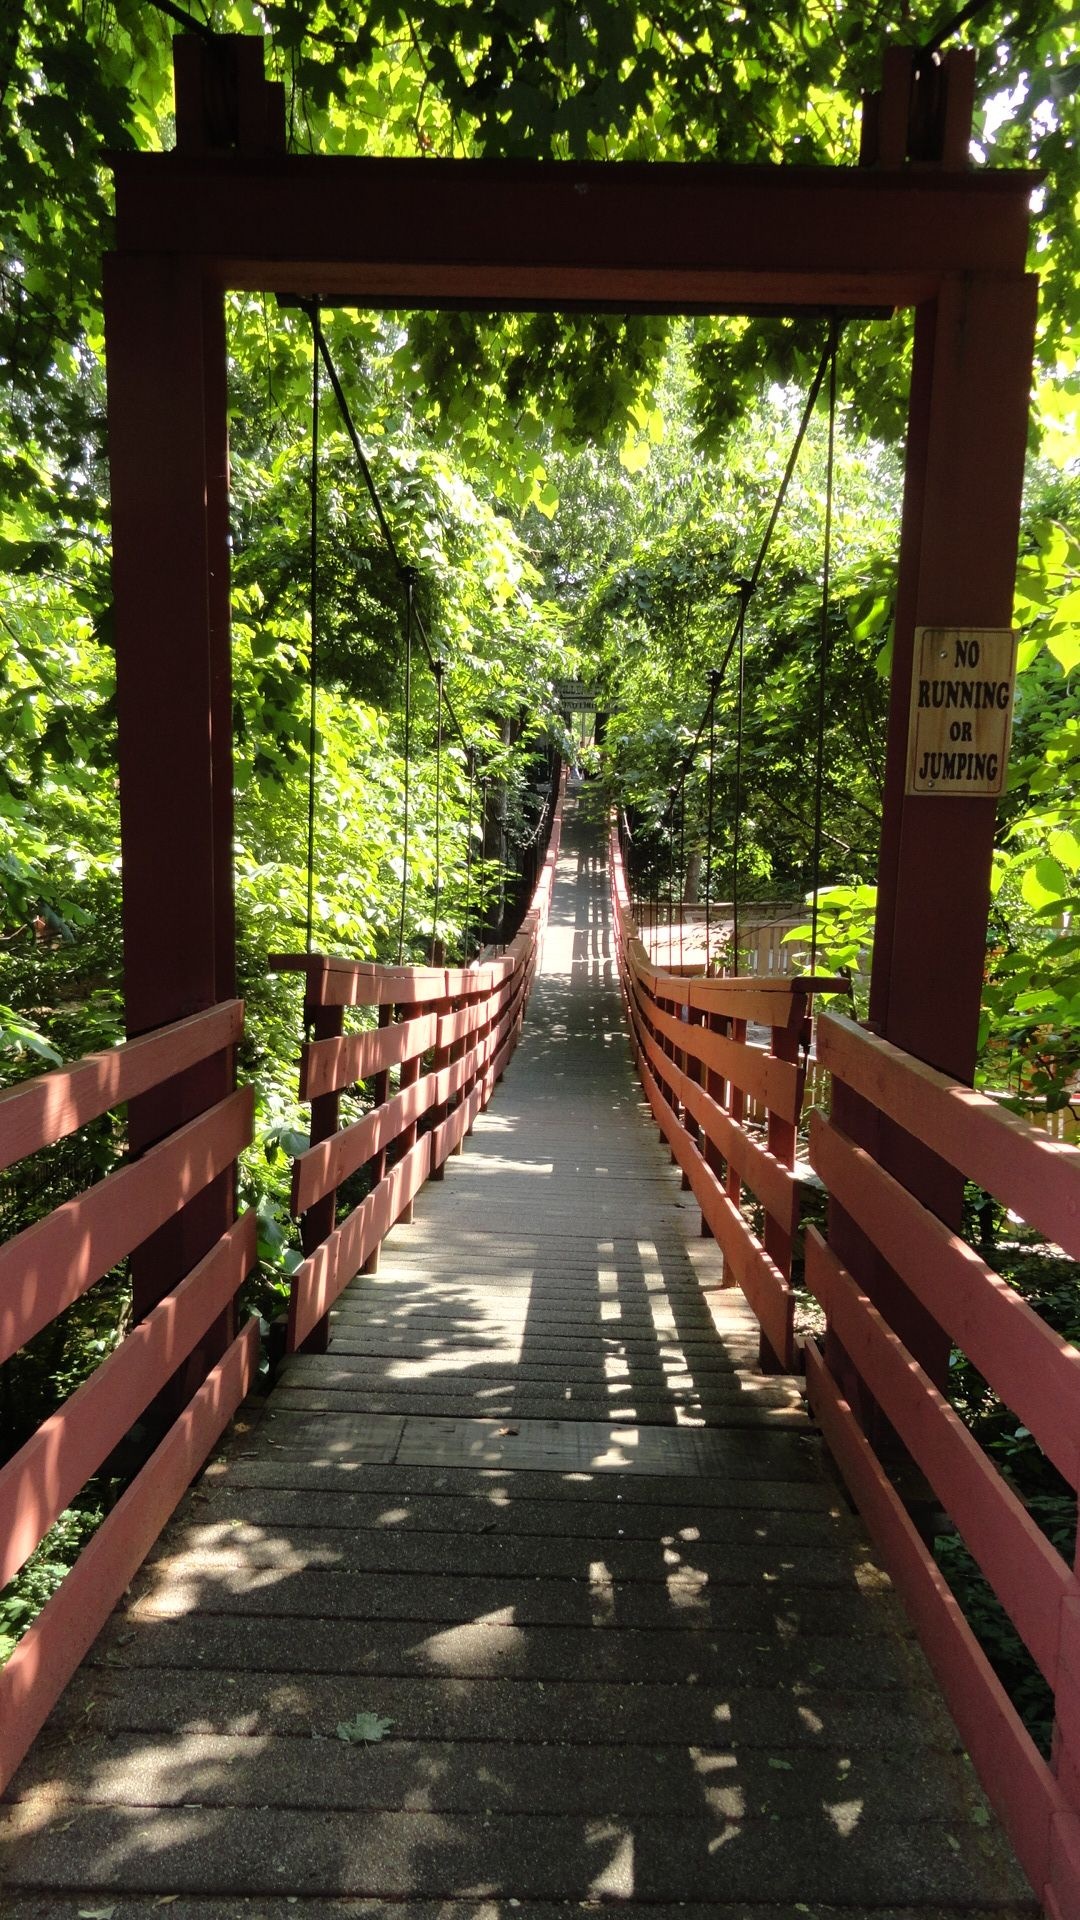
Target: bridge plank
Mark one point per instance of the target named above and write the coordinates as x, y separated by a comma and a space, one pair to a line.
622, 1657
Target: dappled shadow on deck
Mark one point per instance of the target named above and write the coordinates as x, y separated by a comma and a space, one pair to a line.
643, 1653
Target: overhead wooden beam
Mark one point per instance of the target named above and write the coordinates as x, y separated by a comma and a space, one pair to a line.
421, 232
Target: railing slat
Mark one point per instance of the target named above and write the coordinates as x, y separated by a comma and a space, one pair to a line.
51, 1264
764, 1285
335, 982
768, 1179
327, 1271
329, 1066
42, 1478
49, 1652
1029, 1577
327, 1164
1017, 1780
1036, 1177
331, 1161
494, 994
39, 1112
1035, 1371
772, 1082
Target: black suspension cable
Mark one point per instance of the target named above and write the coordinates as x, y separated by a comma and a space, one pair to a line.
482, 908
380, 514
748, 585
502, 865
314, 624
824, 647
438, 666
736, 839
953, 25
438, 807
361, 457
186, 20
410, 587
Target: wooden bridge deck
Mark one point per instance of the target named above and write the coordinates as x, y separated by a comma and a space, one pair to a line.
535, 1510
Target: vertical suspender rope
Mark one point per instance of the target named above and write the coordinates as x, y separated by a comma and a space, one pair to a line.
471, 762
682, 876
438, 807
414, 625
714, 683
655, 938
410, 589
502, 861
823, 652
482, 907
671, 890
745, 591
314, 626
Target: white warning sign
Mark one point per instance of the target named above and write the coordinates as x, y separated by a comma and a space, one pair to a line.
962, 689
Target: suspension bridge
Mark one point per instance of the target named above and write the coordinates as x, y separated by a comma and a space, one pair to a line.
563, 1564
530, 1585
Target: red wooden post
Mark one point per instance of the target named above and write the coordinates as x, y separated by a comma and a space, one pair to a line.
378, 1164
321, 1023
410, 1073
692, 1070
737, 1109
967, 437
440, 1058
782, 1137
716, 1086
169, 458
458, 1050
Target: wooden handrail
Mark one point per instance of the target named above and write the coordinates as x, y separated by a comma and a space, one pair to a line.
690, 1043
1034, 1371
39, 1481
1034, 1176
52, 1263
39, 1112
48, 1266
468, 1019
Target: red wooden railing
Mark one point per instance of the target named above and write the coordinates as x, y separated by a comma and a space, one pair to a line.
1031, 1369
450, 1033
44, 1269
699, 1070
863, 1370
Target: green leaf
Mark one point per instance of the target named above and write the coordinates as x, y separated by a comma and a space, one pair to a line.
1065, 647
1065, 848
364, 1729
1043, 881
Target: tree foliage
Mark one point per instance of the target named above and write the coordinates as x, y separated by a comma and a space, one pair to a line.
578, 494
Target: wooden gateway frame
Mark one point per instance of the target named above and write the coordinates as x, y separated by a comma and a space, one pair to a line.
911, 227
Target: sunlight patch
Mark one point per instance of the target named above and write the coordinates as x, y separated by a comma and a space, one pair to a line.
617, 1878
845, 1816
